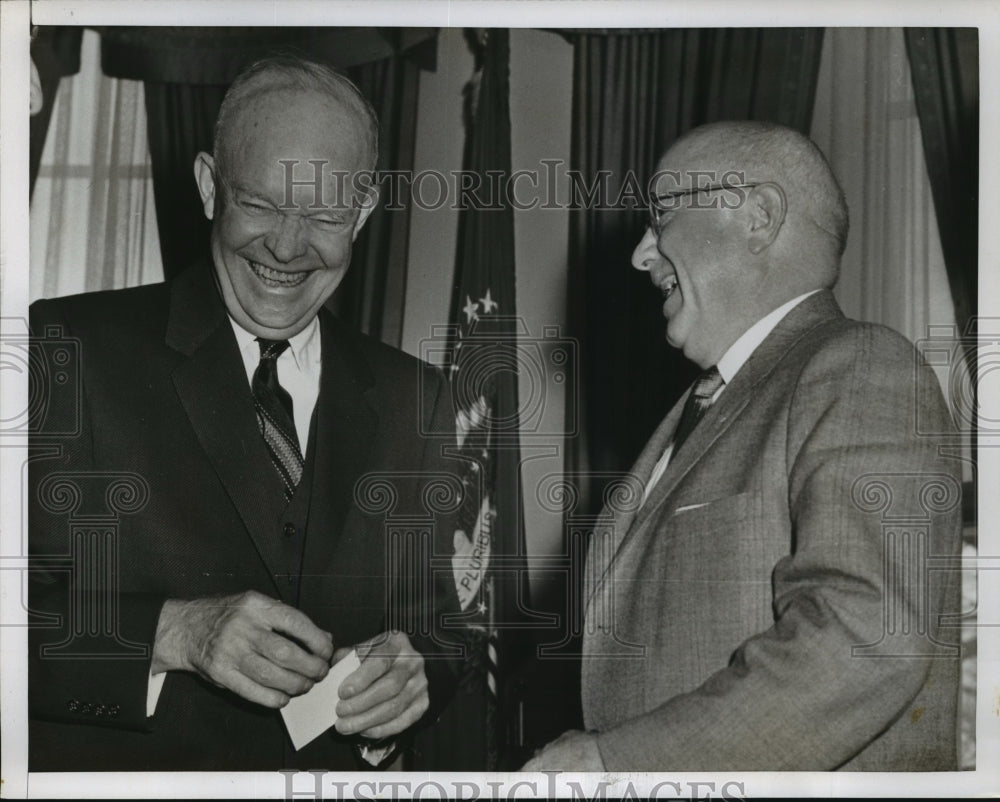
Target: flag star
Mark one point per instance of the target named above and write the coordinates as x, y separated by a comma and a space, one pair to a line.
471, 309
481, 608
488, 303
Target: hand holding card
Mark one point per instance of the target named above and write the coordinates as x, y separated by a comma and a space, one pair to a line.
310, 715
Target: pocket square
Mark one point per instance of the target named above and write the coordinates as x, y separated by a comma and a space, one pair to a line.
688, 507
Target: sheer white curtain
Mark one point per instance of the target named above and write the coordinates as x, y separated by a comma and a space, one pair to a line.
93, 223
865, 120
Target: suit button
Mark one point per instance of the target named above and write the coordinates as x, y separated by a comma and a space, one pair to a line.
73, 705
113, 711
289, 530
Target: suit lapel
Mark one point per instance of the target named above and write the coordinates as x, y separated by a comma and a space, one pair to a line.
213, 389
717, 419
346, 427
602, 549
813, 311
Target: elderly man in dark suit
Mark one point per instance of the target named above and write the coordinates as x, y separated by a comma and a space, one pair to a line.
754, 610
244, 420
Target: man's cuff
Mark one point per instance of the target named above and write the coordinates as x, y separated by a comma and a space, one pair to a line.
153, 688
378, 754
600, 758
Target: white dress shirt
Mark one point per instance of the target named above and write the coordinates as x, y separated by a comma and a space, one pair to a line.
299, 369
729, 365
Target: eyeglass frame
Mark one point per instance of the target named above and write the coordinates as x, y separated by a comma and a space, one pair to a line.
655, 211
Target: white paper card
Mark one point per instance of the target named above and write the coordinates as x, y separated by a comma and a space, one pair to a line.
315, 711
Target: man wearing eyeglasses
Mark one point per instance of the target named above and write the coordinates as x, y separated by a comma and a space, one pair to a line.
243, 419
767, 604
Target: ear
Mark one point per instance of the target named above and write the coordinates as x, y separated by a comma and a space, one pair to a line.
767, 207
369, 201
204, 176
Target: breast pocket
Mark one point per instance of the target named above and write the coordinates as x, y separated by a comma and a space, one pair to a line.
718, 512
719, 541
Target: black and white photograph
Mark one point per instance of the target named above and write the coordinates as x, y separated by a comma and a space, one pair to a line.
498, 399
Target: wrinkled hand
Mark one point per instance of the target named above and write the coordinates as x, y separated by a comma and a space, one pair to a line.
387, 693
574, 750
244, 643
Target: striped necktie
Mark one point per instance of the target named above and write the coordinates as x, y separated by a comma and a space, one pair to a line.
696, 405
275, 415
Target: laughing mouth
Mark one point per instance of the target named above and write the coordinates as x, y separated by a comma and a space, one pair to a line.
668, 286
276, 278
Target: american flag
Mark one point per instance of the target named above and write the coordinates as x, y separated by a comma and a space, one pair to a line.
483, 370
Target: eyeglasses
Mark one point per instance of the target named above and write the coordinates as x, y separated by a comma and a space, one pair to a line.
669, 202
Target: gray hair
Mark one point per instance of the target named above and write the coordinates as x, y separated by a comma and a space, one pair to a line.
291, 72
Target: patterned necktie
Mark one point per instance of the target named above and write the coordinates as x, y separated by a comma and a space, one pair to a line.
696, 405
275, 415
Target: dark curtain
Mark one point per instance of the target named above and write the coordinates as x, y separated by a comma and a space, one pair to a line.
186, 73
180, 120
944, 63
635, 93
56, 53
373, 293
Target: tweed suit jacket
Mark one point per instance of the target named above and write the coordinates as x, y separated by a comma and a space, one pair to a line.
770, 607
163, 396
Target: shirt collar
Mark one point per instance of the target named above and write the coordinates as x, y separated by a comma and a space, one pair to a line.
739, 352
304, 346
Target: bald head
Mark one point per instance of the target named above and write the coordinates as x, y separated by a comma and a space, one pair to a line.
747, 217
767, 152
281, 74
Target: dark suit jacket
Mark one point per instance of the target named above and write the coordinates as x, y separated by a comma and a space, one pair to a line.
773, 605
168, 487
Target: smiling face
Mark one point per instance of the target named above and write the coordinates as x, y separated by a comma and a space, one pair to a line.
696, 259
278, 258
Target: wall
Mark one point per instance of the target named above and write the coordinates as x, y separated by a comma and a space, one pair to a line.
541, 79
433, 233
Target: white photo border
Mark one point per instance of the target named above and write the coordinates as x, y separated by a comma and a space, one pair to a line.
15, 19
